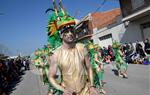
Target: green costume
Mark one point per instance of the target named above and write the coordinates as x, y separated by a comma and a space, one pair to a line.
57, 21
120, 63
98, 75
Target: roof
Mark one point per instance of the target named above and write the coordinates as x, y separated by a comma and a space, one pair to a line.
103, 19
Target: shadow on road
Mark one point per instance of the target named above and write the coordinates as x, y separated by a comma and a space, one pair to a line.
115, 72
12, 85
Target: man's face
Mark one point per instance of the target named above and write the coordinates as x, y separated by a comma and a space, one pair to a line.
68, 36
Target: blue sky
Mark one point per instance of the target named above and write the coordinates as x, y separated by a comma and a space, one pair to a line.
23, 22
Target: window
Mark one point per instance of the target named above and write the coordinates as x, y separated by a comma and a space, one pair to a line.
105, 37
137, 3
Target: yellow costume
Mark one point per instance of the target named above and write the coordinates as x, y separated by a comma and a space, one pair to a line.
73, 70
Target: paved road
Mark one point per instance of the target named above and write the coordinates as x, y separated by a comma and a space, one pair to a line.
30, 85
138, 82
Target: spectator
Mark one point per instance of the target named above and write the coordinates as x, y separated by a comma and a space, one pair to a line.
104, 52
110, 52
129, 53
139, 50
124, 48
147, 46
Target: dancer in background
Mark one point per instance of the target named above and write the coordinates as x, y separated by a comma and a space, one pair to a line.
120, 63
99, 67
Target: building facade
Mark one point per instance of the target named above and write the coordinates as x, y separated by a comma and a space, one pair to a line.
131, 23
136, 17
104, 27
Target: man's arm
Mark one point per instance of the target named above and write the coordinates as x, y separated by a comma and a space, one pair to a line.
88, 66
93, 90
52, 72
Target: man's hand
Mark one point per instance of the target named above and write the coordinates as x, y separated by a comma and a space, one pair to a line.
68, 92
93, 91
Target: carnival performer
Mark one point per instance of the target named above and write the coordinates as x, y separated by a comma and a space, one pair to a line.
73, 61
99, 67
120, 63
69, 57
40, 62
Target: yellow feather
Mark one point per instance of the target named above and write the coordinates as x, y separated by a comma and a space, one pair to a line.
52, 27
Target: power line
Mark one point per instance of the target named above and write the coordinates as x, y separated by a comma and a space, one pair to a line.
102, 4
104, 1
99, 6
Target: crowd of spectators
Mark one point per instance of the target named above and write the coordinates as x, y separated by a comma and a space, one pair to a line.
11, 70
138, 53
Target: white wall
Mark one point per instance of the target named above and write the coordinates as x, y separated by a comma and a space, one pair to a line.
123, 34
117, 33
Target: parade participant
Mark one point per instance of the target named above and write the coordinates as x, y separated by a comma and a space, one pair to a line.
38, 63
73, 61
69, 57
120, 63
39, 58
99, 67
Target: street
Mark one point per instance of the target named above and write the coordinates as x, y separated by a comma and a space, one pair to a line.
138, 82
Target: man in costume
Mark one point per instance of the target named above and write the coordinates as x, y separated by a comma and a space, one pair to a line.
120, 63
72, 60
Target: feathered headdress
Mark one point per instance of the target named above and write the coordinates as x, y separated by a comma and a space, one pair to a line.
58, 21
116, 45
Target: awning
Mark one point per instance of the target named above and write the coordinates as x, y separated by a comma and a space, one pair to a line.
138, 14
